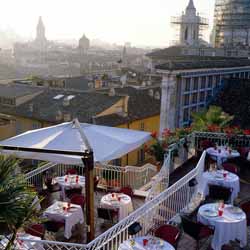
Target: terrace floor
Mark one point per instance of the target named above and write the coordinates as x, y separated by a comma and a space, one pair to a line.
79, 233
185, 243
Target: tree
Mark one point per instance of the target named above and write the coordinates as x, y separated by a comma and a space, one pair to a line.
214, 116
16, 199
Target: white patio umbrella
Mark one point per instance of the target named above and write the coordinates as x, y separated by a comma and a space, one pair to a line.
107, 143
75, 143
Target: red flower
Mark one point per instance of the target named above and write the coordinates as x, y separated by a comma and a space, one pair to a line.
166, 132
154, 134
213, 128
246, 132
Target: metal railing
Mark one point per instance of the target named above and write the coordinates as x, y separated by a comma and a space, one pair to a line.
118, 177
161, 209
222, 139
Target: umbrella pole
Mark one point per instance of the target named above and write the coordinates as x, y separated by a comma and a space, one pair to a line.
88, 162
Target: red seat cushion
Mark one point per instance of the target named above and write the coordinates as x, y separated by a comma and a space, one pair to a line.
230, 167
36, 230
205, 232
168, 233
78, 200
71, 171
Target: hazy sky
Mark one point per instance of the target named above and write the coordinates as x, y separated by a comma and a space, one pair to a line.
143, 22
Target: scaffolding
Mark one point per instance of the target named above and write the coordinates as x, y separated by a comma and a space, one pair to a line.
232, 23
177, 22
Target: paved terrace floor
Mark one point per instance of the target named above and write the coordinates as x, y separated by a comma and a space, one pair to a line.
185, 243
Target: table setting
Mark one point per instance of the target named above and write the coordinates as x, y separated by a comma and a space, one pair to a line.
21, 243
221, 178
68, 182
71, 214
228, 221
118, 200
145, 243
222, 153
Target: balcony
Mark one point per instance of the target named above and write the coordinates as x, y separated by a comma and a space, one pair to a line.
160, 197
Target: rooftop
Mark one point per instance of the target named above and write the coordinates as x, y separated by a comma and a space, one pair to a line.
140, 105
16, 90
45, 107
202, 63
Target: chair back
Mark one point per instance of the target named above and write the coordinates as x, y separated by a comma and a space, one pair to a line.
96, 182
78, 199
244, 152
230, 167
48, 181
245, 206
36, 230
53, 226
190, 227
219, 193
106, 213
127, 190
72, 191
71, 171
205, 144
168, 233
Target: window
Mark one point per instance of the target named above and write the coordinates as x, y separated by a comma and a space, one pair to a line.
209, 95
202, 96
217, 81
196, 83
140, 156
142, 126
194, 109
117, 162
18, 128
185, 115
194, 98
187, 84
210, 81
35, 125
203, 82
186, 100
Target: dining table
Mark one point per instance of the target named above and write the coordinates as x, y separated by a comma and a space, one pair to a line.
23, 241
229, 223
222, 154
119, 201
69, 182
145, 243
220, 178
70, 214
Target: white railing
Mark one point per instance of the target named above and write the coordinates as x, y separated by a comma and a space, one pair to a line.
222, 139
117, 177
36, 176
161, 209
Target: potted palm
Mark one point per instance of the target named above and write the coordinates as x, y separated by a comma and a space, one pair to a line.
16, 200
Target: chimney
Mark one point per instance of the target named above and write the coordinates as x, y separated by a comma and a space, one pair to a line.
151, 93
67, 117
31, 107
112, 92
66, 102
59, 115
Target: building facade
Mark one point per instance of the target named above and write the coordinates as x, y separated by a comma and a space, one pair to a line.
188, 88
232, 25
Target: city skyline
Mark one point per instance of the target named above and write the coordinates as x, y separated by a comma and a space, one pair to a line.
145, 24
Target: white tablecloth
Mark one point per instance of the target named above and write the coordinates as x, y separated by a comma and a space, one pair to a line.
227, 227
223, 155
216, 178
152, 244
72, 217
125, 205
71, 183
22, 244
